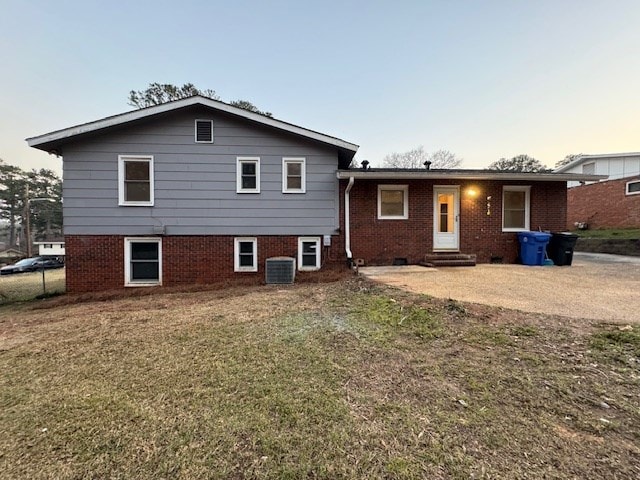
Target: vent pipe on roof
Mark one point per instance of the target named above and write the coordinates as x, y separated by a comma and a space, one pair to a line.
427, 165
365, 164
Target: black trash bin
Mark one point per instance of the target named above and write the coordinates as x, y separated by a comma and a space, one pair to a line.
560, 248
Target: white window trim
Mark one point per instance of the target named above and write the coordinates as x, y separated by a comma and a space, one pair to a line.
239, 161
236, 254
135, 158
627, 192
127, 261
527, 206
303, 173
405, 190
318, 253
195, 130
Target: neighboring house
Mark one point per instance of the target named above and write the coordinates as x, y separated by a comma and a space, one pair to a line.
51, 248
611, 203
10, 254
198, 191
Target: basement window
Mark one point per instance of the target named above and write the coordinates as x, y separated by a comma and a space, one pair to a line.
516, 208
135, 180
204, 131
633, 187
142, 262
245, 255
308, 253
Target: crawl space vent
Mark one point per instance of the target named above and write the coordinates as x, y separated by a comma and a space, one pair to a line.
280, 270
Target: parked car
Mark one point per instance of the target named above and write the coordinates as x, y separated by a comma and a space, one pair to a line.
32, 265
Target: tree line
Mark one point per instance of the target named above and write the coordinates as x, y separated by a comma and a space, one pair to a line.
419, 157
41, 190
159, 93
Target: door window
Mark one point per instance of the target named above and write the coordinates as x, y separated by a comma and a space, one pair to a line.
445, 209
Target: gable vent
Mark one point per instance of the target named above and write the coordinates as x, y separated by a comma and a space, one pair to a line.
204, 131
280, 270
589, 168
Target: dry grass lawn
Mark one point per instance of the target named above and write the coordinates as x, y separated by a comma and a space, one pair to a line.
339, 380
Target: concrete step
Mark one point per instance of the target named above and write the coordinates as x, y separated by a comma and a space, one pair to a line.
449, 260
449, 263
449, 256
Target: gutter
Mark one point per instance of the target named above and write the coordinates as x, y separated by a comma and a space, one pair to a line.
347, 234
469, 175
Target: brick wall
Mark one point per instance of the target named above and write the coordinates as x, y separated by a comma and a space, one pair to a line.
378, 242
603, 205
96, 262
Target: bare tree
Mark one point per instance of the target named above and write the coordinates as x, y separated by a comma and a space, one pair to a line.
417, 157
568, 159
519, 163
444, 159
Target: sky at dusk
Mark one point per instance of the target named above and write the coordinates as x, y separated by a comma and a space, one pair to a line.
483, 79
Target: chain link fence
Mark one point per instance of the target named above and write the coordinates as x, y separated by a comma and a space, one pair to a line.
20, 287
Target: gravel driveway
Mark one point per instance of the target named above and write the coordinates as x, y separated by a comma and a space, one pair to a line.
600, 287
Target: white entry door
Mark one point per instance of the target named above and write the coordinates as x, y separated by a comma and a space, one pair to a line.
446, 218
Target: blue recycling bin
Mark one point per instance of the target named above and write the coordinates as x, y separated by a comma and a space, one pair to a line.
532, 247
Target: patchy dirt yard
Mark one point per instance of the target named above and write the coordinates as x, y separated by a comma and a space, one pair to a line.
341, 380
598, 290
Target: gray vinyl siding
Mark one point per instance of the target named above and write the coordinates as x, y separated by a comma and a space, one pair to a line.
195, 183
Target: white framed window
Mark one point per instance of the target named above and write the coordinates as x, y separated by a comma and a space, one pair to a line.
135, 180
309, 253
248, 175
516, 208
633, 187
245, 254
142, 261
293, 175
204, 131
393, 202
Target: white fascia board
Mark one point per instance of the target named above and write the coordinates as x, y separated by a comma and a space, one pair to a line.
536, 177
186, 102
583, 158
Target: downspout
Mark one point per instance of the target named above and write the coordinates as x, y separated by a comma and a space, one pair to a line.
347, 235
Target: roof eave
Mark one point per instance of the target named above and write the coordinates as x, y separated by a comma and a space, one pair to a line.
583, 158
427, 175
46, 141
